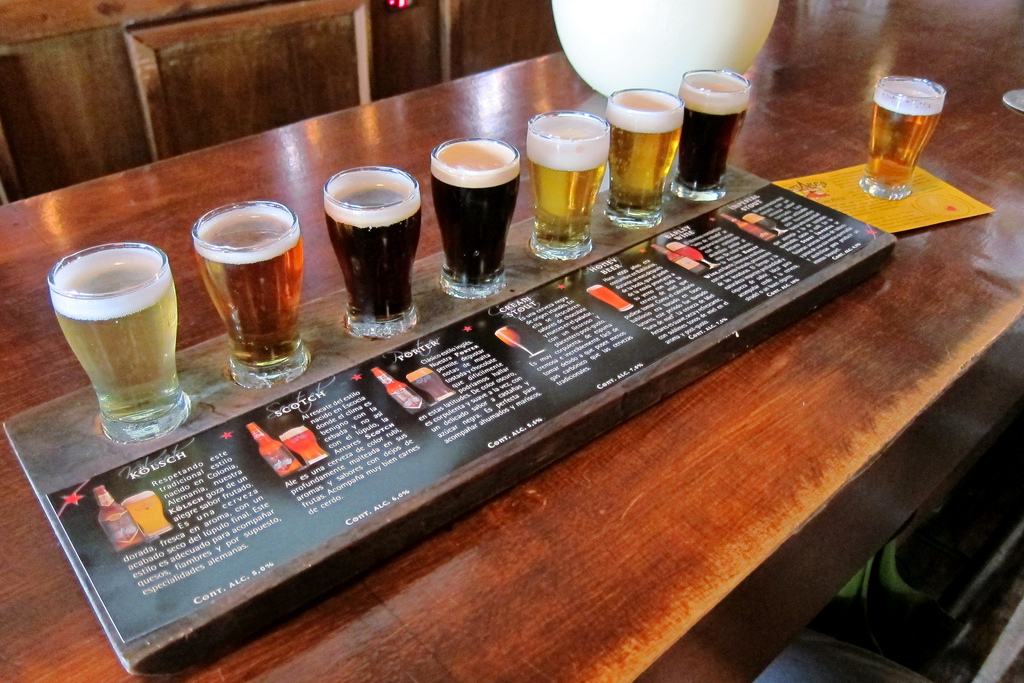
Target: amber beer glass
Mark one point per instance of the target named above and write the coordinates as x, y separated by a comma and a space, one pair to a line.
117, 307
373, 220
905, 116
474, 182
250, 257
645, 135
715, 104
568, 151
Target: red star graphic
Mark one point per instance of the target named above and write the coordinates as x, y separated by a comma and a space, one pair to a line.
561, 286
357, 376
226, 435
72, 498
467, 328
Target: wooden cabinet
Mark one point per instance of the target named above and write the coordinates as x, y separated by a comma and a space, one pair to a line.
208, 80
88, 89
484, 34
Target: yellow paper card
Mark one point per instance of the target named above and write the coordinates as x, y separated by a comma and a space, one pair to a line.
933, 201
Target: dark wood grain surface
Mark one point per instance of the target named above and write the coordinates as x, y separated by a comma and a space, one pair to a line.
594, 568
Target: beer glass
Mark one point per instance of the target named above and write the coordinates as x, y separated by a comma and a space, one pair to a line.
715, 105
905, 116
568, 151
116, 306
373, 220
250, 257
148, 512
645, 135
474, 182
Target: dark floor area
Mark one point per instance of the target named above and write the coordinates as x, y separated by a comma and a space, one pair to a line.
968, 554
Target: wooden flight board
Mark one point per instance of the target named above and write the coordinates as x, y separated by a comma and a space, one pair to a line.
384, 441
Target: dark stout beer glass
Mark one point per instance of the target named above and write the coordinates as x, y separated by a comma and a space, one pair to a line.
250, 257
715, 105
373, 220
474, 182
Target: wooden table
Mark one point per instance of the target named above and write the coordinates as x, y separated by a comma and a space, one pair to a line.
690, 542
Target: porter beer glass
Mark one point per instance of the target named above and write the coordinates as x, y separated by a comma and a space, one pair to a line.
905, 116
715, 105
117, 308
568, 151
250, 257
373, 219
474, 182
645, 135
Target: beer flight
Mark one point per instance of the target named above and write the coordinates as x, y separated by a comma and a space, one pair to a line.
116, 302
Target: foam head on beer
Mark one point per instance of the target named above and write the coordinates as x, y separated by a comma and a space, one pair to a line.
644, 111
910, 96
246, 233
568, 141
371, 197
715, 92
114, 283
475, 163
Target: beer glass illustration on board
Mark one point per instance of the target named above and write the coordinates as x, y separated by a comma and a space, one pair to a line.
510, 337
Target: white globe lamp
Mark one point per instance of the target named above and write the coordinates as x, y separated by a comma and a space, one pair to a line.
617, 44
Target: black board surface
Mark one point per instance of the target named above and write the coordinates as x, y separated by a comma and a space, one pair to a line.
373, 456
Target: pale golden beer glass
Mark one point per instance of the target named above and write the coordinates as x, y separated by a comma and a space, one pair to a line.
644, 138
906, 113
117, 308
568, 152
250, 256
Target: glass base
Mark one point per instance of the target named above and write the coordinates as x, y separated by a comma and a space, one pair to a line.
695, 195
262, 377
461, 290
375, 329
634, 219
560, 253
877, 189
123, 431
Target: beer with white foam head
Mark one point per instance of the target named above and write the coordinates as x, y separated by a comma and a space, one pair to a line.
906, 112
117, 308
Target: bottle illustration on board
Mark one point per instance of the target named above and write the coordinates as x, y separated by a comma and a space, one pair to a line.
399, 391
274, 452
681, 258
118, 525
751, 228
766, 223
